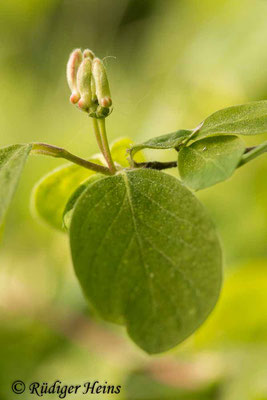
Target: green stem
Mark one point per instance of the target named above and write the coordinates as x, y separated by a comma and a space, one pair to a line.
255, 152
106, 149
97, 135
58, 152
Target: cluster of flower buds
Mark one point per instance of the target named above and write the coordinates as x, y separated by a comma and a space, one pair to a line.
88, 82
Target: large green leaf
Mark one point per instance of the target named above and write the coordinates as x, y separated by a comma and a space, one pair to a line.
169, 141
146, 255
246, 119
12, 160
52, 192
209, 161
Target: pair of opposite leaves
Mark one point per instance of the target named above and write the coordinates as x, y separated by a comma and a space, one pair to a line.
216, 150
144, 250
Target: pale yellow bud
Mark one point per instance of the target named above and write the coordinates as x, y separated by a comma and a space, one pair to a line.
84, 77
101, 83
94, 98
73, 64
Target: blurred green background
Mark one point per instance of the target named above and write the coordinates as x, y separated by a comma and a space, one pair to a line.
170, 63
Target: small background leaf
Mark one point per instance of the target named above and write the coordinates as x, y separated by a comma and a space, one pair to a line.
209, 161
246, 119
52, 192
146, 255
119, 151
169, 141
12, 160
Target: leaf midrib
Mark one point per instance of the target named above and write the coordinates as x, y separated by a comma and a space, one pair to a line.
170, 261
146, 268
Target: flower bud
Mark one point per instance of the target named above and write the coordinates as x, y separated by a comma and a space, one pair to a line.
84, 78
87, 53
87, 79
101, 83
94, 98
74, 62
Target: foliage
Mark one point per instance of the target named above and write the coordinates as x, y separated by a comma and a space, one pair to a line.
12, 160
210, 160
162, 275
145, 252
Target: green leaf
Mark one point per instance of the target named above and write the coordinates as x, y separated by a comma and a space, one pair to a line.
119, 151
146, 255
246, 119
209, 161
67, 214
52, 192
12, 160
169, 141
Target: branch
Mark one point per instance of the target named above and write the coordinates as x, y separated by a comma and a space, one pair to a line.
58, 152
253, 152
156, 165
249, 154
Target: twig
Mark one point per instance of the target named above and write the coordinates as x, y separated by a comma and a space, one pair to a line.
58, 152
249, 154
253, 152
156, 165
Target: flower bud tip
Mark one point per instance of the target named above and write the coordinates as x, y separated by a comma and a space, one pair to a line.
88, 54
74, 98
105, 102
83, 104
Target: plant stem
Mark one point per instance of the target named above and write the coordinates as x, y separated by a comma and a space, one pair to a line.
252, 153
156, 165
249, 154
106, 149
97, 135
58, 152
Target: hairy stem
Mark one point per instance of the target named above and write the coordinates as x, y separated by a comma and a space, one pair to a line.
58, 152
97, 135
156, 165
253, 152
106, 149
